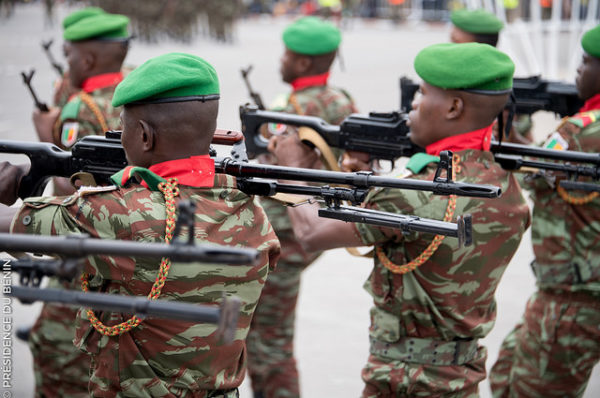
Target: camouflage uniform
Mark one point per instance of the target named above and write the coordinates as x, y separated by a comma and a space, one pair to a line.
60, 368
425, 324
552, 351
163, 358
86, 113
271, 362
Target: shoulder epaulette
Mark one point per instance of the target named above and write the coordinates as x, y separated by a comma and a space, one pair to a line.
420, 160
90, 190
122, 177
584, 119
71, 108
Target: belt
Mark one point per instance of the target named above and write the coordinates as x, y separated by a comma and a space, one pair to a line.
232, 393
565, 274
426, 351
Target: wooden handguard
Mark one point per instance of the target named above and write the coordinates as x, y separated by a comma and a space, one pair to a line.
227, 137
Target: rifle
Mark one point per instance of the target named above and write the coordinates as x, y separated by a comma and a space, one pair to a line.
225, 316
381, 135
99, 156
531, 94
27, 80
57, 67
511, 157
250, 180
253, 94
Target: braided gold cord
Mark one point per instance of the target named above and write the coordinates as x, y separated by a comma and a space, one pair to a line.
435, 243
575, 200
89, 101
170, 190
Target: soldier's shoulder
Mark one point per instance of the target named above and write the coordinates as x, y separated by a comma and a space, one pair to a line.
585, 119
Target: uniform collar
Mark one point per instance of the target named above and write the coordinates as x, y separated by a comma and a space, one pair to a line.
310, 81
478, 139
591, 104
101, 81
195, 171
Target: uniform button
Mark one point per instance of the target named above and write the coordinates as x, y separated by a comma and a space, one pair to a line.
223, 194
26, 220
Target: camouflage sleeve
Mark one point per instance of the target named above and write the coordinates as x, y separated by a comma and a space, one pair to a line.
45, 216
392, 201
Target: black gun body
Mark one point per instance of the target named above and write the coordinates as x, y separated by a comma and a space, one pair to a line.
533, 94
527, 150
81, 246
382, 136
125, 304
99, 156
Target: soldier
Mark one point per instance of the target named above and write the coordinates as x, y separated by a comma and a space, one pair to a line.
96, 46
169, 116
433, 300
475, 26
63, 90
311, 46
554, 348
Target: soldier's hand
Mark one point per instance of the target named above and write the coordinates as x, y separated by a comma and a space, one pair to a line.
10, 179
44, 123
291, 152
356, 161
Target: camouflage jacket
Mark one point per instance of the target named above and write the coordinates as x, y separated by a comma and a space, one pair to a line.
332, 105
451, 295
86, 114
565, 236
162, 357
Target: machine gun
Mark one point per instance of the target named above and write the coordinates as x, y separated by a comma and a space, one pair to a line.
250, 179
531, 94
27, 81
99, 156
57, 67
512, 157
253, 94
381, 135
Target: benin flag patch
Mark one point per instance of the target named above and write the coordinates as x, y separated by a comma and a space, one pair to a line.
69, 133
555, 141
277, 128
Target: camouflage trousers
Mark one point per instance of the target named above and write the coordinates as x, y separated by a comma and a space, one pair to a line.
552, 351
60, 369
270, 342
385, 376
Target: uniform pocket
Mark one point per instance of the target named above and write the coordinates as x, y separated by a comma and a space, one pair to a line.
384, 326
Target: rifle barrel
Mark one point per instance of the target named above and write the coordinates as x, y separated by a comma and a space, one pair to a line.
527, 150
81, 246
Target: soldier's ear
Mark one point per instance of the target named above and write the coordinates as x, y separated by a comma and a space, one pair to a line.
147, 136
455, 109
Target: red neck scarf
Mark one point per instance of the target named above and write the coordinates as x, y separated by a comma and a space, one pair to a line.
101, 81
592, 104
310, 81
195, 171
478, 139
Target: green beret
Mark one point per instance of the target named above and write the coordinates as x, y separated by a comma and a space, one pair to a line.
476, 21
173, 77
466, 66
80, 14
591, 42
98, 27
312, 36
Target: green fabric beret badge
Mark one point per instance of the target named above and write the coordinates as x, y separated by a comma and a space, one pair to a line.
476, 21
173, 77
467, 66
312, 36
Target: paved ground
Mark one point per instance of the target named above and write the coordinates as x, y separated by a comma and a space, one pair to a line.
333, 309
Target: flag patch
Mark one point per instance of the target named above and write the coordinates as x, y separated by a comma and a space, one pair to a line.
557, 142
70, 130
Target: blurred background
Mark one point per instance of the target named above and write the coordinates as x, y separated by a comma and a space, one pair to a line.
380, 41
